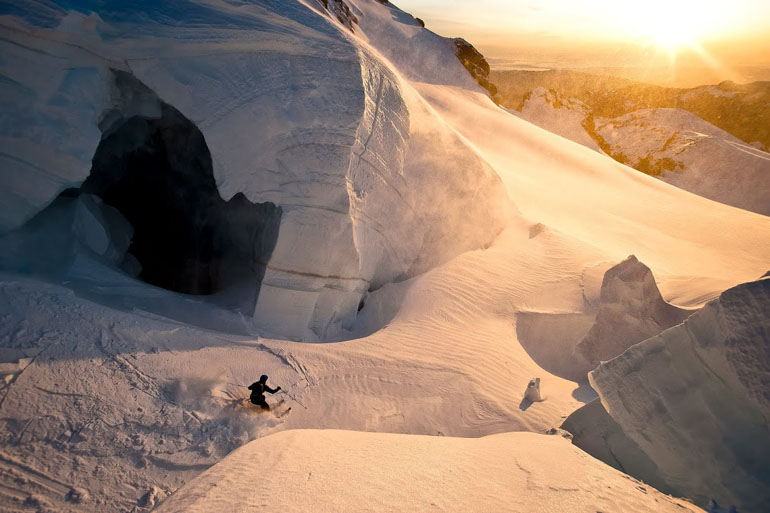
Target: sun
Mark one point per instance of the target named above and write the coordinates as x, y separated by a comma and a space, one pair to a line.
669, 35
673, 24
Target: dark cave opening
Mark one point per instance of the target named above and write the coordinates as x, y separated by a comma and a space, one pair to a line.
157, 172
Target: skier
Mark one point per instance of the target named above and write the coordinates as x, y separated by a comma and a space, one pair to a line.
258, 389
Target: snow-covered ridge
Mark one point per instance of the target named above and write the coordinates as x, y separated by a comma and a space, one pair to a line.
694, 400
673, 145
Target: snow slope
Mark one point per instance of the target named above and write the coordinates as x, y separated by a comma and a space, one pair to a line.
674, 145
350, 471
562, 116
692, 154
127, 391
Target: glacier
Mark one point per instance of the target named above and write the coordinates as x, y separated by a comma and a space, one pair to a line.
296, 118
370, 194
693, 403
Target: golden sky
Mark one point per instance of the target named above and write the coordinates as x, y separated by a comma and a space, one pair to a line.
736, 31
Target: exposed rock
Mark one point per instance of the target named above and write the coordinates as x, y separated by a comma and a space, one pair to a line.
150, 499
476, 65
563, 116
78, 495
341, 11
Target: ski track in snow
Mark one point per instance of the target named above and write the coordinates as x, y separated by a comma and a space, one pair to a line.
126, 401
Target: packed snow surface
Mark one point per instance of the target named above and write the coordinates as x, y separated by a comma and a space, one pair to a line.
406, 194
330, 471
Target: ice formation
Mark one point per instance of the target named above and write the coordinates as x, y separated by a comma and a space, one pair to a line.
309, 140
624, 310
694, 401
414, 213
533, 391
631, 309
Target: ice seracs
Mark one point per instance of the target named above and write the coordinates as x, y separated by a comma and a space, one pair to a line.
631, 309
305, 120
694, 402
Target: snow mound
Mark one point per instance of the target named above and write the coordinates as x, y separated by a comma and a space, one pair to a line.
694, 399
325, 471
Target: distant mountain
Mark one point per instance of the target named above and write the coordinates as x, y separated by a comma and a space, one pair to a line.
671, 144
742, 110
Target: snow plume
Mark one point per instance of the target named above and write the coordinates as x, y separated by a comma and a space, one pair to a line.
226, 417
201, 391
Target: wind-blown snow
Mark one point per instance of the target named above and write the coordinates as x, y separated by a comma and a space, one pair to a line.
395, 172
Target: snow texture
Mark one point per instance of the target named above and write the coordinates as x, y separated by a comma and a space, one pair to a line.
696, 397
330, 471
673, 145
416, 214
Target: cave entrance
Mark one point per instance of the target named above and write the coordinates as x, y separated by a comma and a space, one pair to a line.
157, 172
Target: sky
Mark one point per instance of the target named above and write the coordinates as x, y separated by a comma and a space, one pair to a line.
606, 32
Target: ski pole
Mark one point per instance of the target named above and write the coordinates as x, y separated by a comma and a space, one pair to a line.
293, 398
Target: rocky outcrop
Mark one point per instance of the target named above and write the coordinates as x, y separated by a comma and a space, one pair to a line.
476, 65
340, 10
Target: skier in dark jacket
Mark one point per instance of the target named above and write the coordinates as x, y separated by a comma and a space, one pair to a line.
258, 389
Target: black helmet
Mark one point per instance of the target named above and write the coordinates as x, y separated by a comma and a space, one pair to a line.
263, 378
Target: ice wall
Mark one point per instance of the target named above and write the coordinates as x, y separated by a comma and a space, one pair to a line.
694, 399
295, 110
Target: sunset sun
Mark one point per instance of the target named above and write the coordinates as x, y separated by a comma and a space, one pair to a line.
673, 25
